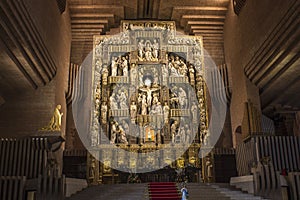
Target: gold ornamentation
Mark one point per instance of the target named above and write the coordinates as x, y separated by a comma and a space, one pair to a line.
180, 163
106, 167
55, 122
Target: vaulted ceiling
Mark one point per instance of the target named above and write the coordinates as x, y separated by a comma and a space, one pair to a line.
197, 17
25, 56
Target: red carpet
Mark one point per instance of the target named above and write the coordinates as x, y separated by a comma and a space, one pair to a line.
163, 191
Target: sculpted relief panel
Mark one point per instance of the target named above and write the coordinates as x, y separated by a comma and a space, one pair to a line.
148, 87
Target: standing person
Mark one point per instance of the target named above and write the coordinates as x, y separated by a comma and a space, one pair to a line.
184, 192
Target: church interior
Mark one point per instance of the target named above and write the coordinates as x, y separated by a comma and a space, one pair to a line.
106, 99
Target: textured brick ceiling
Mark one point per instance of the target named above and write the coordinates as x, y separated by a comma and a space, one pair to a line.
195, 17
274, 68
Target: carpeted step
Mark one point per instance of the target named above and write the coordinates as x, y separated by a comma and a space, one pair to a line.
163, 191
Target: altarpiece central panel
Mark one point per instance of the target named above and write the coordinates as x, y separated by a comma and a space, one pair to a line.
148, 95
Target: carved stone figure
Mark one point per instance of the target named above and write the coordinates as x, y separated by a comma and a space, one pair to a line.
97, 104
165, 71
155, 98
174, 100
177, 63
194, 111
139, 103
98, 93
123, 101
55, 122
144, 105
166, 110
95, 133
182, 134
113, 102
136, 26
188, 134
158, 109
113, 132
148, 51
133, 73
141, 47
104, 113
133, 112
148, 90
141, 83
104, 75
183, 68
192, 74
173, 71
182, 98
106, 167
171, 60
71, 137
200, 93
125, 66
119, 64
157, 115
159, 26
201, 103
114, 66
174, 130
209, 169
92, 168
125, 126
155, 47
122, 135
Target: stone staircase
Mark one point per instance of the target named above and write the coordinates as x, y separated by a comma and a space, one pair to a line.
198, 191
74, 185
112, 192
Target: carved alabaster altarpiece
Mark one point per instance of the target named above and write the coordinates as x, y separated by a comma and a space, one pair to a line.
148, 91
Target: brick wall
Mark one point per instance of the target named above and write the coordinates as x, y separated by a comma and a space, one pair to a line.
243, 35
30, 110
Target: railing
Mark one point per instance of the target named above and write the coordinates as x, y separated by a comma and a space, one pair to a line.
25, 167
118, 79
294, 181
12, 187
265, 157
26, 157
266, 180
224, 151
50, 187
119, 113
283, 152
75, 152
